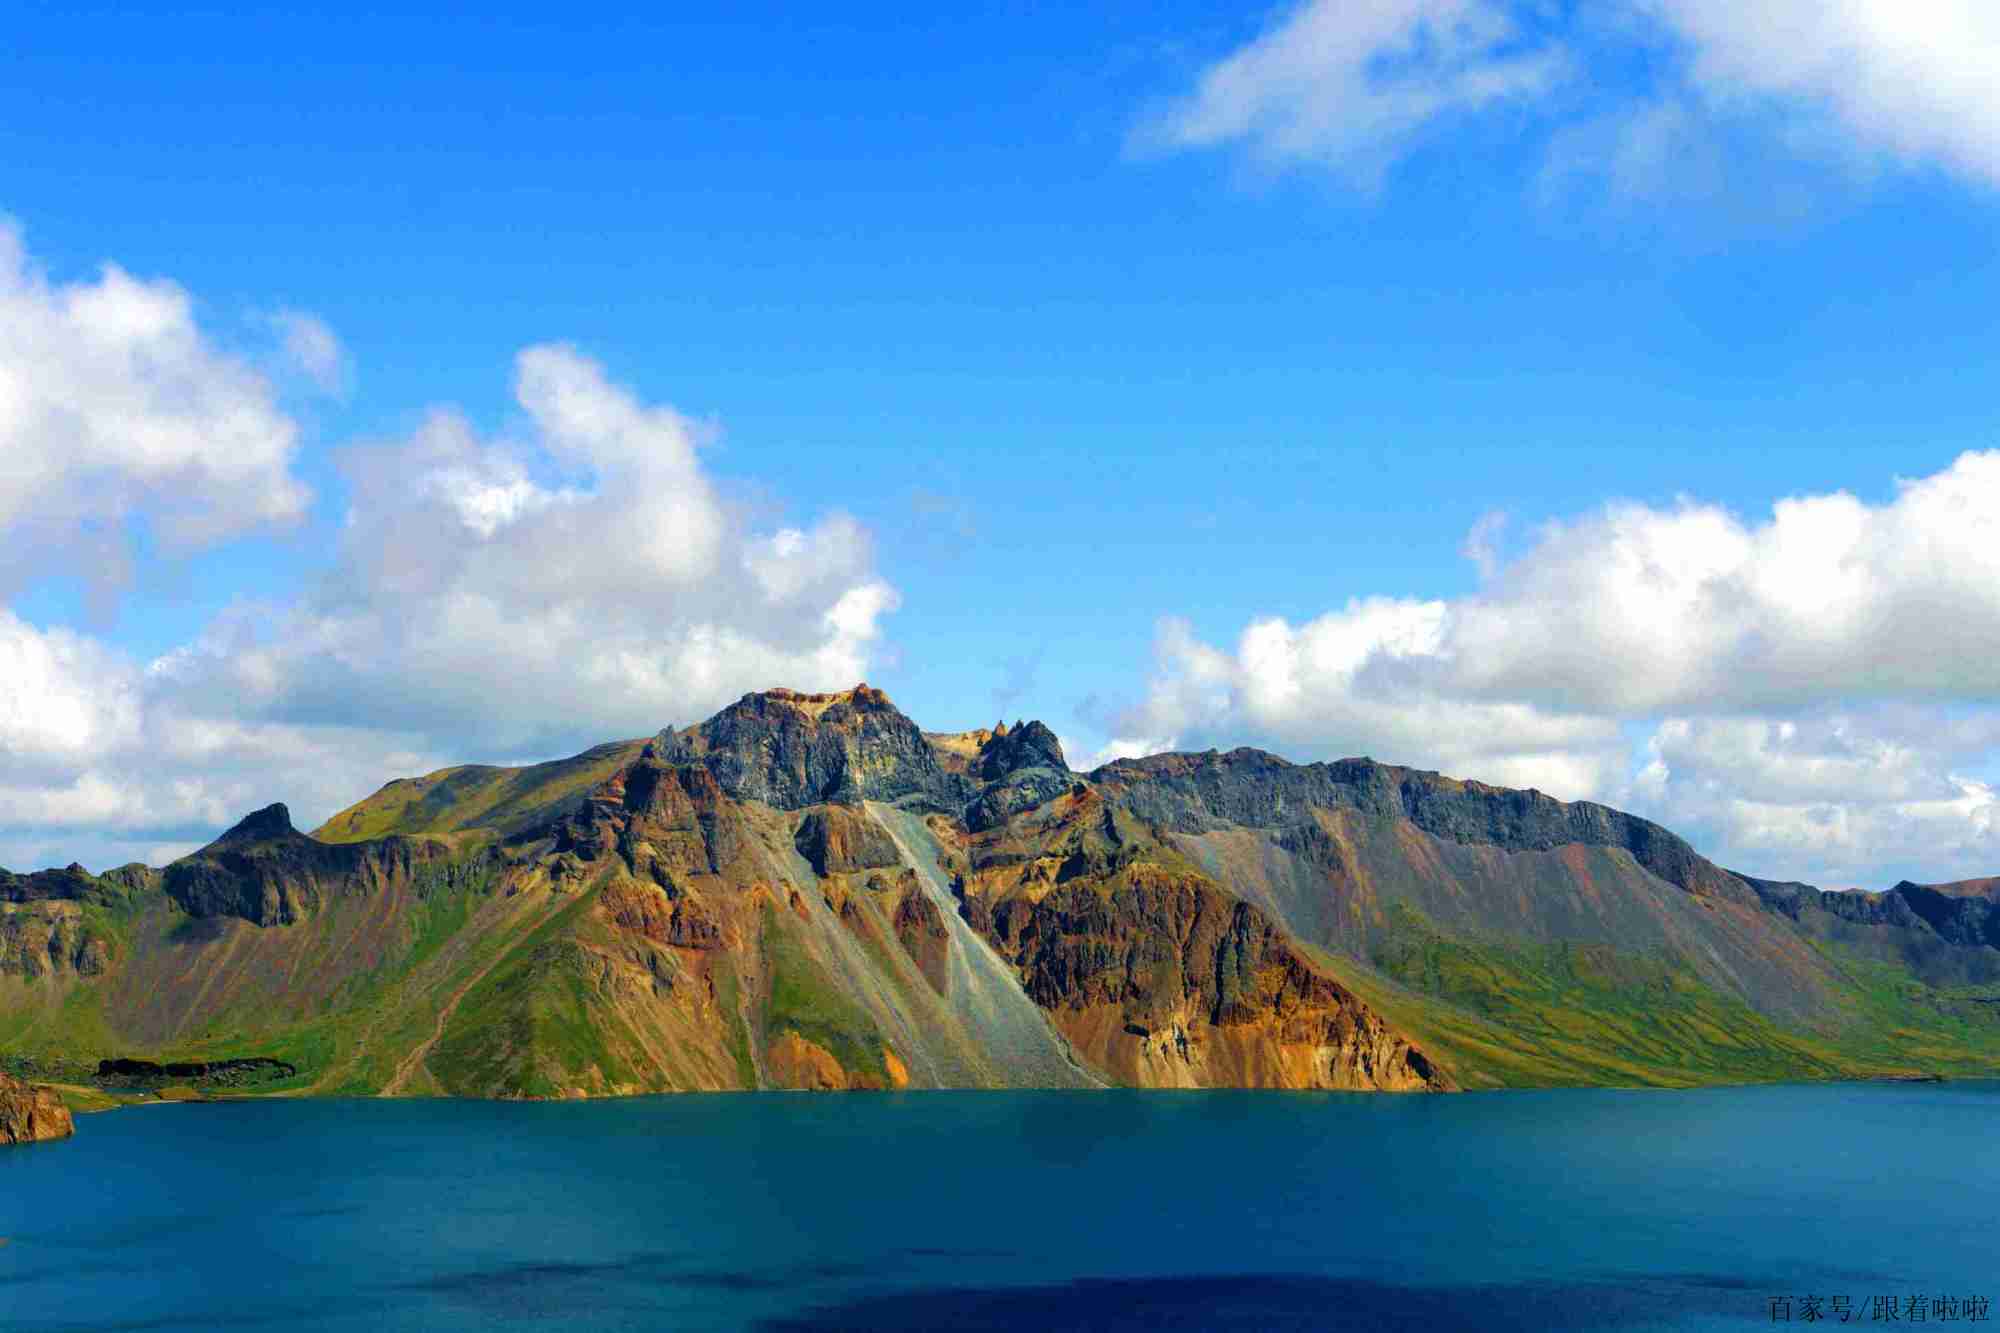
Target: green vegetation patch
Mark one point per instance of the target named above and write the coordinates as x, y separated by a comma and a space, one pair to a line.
534, 1025
729, 998
1519, 1013
805, 1000
475, 796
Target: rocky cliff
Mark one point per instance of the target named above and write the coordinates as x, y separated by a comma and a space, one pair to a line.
30, 1114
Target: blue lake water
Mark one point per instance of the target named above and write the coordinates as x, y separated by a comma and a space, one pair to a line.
1121, 1210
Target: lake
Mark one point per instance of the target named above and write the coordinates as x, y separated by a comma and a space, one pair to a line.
1109, 1210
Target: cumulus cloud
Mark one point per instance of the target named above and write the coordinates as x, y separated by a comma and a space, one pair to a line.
1811, 691
1842, 797
1637, 86
580, 581
113, 405
490, 597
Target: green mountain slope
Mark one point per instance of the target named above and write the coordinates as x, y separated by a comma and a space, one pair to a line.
807, 891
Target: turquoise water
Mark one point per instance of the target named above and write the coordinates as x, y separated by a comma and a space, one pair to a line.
1585, 1209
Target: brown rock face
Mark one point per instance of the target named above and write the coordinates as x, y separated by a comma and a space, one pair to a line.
30, 1114
1162, 978
921, 930
839, 840
665, 916
1170, 981
796, 1063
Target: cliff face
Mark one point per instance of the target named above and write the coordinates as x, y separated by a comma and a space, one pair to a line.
50, 939
31, 1114
1197, 793
807, 891
1158, 975
267, 873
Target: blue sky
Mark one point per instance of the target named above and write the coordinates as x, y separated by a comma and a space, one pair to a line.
1113, 334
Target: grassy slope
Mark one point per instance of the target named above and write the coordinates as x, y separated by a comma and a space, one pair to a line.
804, 999
383, 1001
1520, 1014
454, 800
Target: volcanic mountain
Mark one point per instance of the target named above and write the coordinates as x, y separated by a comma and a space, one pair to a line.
808, 891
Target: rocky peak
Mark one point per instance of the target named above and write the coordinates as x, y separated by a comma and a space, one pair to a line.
268, 873
1028, 745
273, 821
789, 750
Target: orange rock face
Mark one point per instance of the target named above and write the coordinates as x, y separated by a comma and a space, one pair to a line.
794, 1062
30, 1114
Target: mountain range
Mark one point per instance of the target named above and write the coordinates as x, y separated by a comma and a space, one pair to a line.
809, 891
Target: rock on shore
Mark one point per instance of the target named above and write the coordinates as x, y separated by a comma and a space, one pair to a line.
29, 1114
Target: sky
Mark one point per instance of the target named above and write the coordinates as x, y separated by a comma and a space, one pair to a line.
1597, 398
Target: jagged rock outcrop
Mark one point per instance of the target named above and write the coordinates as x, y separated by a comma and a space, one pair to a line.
31, 1114
837, 840
1020, 768
1025, 745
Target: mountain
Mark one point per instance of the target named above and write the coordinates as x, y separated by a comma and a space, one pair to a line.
809, 891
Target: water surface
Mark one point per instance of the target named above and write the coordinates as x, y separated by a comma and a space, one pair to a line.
1099, 1210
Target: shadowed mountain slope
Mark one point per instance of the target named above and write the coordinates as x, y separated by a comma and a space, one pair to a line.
808, 891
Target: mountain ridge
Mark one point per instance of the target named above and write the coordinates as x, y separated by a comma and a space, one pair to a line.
808, 890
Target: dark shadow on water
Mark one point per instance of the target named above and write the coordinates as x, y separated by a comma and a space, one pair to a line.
204, 1320
532, 1289
1280, 1301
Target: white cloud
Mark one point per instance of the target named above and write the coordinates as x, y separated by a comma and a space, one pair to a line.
582, 581
1352, 83
1910, 78
66, 697
113, 403
1355, 84
1839, 797
1637, 610
1083, 759
312, 347
1813, 691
